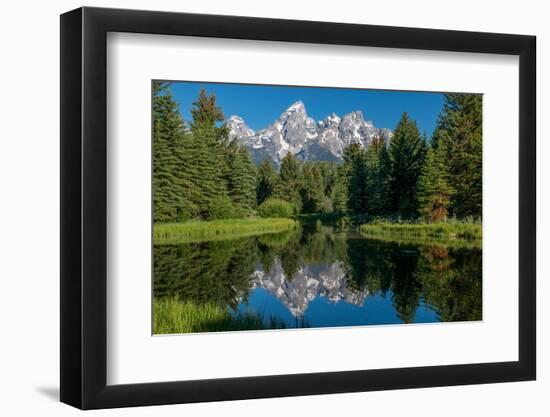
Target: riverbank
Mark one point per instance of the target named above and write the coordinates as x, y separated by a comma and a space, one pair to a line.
196, 231
426, 241
173, 316
447, 231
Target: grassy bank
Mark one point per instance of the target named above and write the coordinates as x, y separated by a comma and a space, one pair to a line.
173, 316
427, 241
196, 231
448, 231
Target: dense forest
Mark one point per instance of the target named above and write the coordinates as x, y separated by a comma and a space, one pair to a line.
200, 173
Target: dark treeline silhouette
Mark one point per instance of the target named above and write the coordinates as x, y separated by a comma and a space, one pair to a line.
199, 173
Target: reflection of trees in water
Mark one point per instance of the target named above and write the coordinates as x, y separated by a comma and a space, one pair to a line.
406, 286
285, 247
207, 272
446, 279
383, 267
367, 266
451, 281
306, 246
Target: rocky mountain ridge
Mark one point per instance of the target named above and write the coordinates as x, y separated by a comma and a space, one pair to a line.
294, 131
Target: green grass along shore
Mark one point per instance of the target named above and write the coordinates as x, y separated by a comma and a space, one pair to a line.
171, 315
197, 231
425, 241
445, 231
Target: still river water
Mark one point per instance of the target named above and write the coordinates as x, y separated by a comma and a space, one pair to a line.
318, 276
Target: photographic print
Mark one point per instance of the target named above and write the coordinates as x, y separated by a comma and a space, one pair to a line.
284, 207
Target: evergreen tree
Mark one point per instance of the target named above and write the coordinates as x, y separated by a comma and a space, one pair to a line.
355, 171
377, 186
405, 157
434, 191
207, 150
168, 203
241, 180
339, 196
287, 187
187, 191
206, 115
460, 127
329, 174
267, 178
312, 189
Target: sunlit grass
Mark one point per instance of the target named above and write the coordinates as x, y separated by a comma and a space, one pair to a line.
196, 231
171, 316
449, 230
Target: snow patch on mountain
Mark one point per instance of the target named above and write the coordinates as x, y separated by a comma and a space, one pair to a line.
294, 131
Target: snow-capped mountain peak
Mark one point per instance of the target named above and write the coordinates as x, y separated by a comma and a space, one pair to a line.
332, 119
238, 128
294, 131
298, 106
355, 116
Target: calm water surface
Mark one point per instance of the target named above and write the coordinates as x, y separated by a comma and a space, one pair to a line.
318, 276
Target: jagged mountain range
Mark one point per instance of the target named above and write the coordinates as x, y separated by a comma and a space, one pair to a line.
308, 283
294, 131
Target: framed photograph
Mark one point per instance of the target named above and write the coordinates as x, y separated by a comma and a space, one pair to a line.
256, 208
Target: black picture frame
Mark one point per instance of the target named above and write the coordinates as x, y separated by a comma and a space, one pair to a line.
84, 207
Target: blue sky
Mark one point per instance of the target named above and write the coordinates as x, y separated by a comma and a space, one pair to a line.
260, 105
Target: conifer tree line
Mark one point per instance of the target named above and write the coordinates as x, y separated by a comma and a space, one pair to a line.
200, 173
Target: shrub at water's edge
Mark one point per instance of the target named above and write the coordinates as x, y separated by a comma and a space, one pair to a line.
171, 315
276, 207
441, 230
173, 233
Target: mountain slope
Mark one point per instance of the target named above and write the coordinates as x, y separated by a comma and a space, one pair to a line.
294, 131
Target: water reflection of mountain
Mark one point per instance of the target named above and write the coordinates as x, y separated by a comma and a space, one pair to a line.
317, 262
306, 284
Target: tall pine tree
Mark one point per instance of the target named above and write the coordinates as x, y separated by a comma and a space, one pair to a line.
241, 180
168, 202
355, 171
405, 157
339, 196
312, 188
434, 190
460, 127
287, 186
377, 181
208, 153
266, 181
